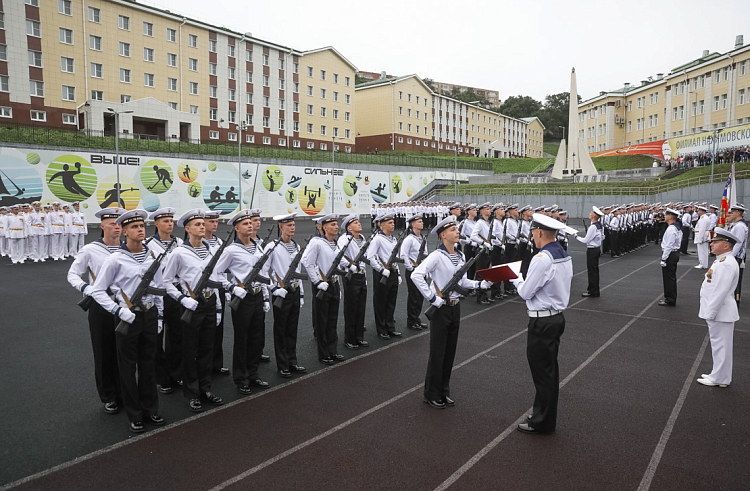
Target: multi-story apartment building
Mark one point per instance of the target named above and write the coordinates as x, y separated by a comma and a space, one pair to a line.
72, 64
492, 96
403, 113
534, 137
708, 93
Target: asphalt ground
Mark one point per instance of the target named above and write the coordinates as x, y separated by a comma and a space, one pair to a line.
631, 414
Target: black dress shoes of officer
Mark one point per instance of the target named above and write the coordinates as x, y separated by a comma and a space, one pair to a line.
587, 294
351, 346
395, 334
483, 302
338, 357
664, 303
195, 405
526, 428
111, 407
244, 389
448, 401
165, 389
223, 370
415, 327
285, 373
212, 398
435, 404
265, 358
423, 325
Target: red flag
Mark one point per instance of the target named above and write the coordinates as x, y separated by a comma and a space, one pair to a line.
726, 199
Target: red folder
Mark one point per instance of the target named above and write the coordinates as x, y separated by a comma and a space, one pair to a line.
502, 272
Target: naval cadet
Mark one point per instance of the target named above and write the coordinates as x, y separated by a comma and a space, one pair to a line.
248, 319
384, 295
718, 308
702, 236
546, 290
410, 248
670, 256
257, 222
480, 239
122, 272
465, 229
355, 287
185, 268
441, 266
593, 240
88, 264
738, 227
211, 221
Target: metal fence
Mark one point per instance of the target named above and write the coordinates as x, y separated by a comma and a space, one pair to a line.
42, 135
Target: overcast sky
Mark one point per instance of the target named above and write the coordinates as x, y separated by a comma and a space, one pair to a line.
515, 47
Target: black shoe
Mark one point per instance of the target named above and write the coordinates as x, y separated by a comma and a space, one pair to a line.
261, 384
511, 292
327, 361
587, 294
265, 358
165, 389
363, 343
285, 373
448, 401
195, 405
338, 357
137, 427
111, 407
297, 368
223, 370
472, 293
525, 428
351, 346
423, 325
155, 420
490, 300
178, 383
384, 336
212, 399
395, 334
415, 327
435, 404
664, 303
244, 389
483, 302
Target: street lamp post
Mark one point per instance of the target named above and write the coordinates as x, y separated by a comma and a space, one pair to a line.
455, 165
117, 146
563, 128
240, 127
715, 142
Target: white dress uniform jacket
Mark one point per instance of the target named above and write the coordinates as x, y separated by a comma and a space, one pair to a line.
380, 251
439, 267
547, 284
717, 290
185, 267
239, 260
702, 229
279, 263
594, 235
352, 251
318, 258
90, 259
410, 250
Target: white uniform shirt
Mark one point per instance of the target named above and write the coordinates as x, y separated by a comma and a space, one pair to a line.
717, 290
3, 226
185, 267
614, 223
410, 250
594, 235
480, 234
547, 284
714, 220
239, 260
524, 235
687, 220
68, 220
466, 228
91, 257
79, 223
739, 229
36, 222
57, 220
702, 230
511, 233
318, 258
381, 249
439, 267
280, 260
16, 226
671, 240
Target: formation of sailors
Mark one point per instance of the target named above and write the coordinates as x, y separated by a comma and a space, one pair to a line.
431, 213
35, 233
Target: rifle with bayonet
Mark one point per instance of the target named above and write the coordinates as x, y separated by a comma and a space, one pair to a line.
291, 273
452, 285
134, 303
360, 256
268, 235
254, 275
422, 248
205, 280
334, 269
393, 259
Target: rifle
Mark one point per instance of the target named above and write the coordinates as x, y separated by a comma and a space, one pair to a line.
204, 281
452, 285
360, 255
267, 235
422, 255
134, 303
254, 275
85, 302
334, 269
291, 273
394, 256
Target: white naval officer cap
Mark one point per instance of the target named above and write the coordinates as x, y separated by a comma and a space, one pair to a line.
14, 207
546, 223
471, 206
285, 218
724, 234
672, 211
106, 212
738, 207
455, 205
189, 216
132, 216
211, 214
444, 224
349, 219
384, 218
167, 212
331, 217
255, 212
714, 207
76, 203
596, 210
702, 207
240, 216
414, 217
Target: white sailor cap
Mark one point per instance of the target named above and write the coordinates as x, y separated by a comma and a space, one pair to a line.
56, 203
76, 203
34, 203
349, 219
211, 214
240, 216
512, 207
738, 207
724, 234
455, 205
471, 206
597, 211
14, 207
415, 217
132, 216
672, 211
714, 207
106, 212
486, 204
167, 212
255, 212
384, 218
563, 212
47, 206
3, 208
701, 207
189, 216
524, 208
497, 206
444, 224
539, 208
286, 218
546, 223
331, 217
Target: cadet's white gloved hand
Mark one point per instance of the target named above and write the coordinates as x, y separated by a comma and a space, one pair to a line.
218, 318
159, 326
227, 296
239, 292
280, 292
386, 272
301, 301
399, 279
438, 302
353, 268
485, 285
126, 315
189, 303
663, 264
83, 290
323, 286
266, 306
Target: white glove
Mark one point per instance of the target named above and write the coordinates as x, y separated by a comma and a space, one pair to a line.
438, 302
496, 242
485, 285
266, 306
323, 286
280, 292
239, 292
353, 268
218, 318
386, 272
189, 303
126, 315
85, 287
159, 325
517, 281
399, 279
663, 264
227, 296
301, 301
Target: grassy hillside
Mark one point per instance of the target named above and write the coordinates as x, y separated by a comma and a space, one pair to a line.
551, 148
623, 162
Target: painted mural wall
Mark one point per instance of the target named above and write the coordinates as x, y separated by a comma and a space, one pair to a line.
28, 175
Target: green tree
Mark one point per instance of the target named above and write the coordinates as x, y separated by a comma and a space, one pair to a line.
554, 114
521, 106
430, 83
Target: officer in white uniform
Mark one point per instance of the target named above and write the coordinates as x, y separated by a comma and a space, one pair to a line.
719, 309
441, 265
738, 227
47, 231
36, 240
3, 231
546, 290
670, 256
78, 230
16, 234
702, 237
57, 220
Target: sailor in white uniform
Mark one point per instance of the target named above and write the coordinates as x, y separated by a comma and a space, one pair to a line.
16, 234
3, 231
738, 227
719, 309
410, 248
384, 295
593, 240
78, 230
702, 237
546, 290
355, 287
